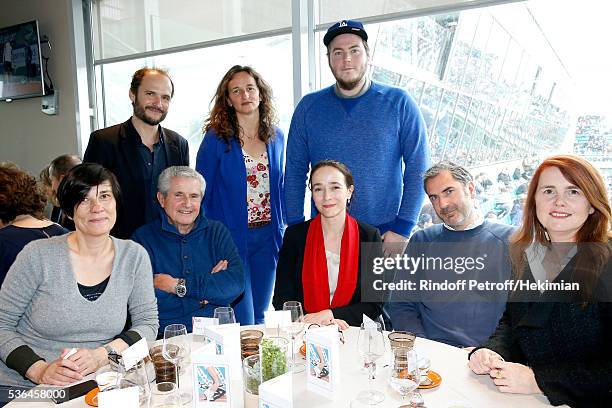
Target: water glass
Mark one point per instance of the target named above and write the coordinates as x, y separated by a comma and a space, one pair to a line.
405, 374
225, 315
175, 348
371, 346
251, 371
165, 395
136, 377
295, 328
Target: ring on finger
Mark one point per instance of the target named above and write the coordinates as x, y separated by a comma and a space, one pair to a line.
497, 374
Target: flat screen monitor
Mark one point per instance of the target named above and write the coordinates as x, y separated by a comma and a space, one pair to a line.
21, 70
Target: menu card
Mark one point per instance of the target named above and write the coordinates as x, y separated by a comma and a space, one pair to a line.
134, 353
277, 319
323, 360
212, 385
277, 392
226, 338
369, 323
199, 323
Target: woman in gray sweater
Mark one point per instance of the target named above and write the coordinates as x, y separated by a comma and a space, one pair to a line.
75, 291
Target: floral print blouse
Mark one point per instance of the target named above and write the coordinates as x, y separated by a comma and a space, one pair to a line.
258, 187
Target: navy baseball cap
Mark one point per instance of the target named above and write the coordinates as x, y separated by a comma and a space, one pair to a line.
345, 27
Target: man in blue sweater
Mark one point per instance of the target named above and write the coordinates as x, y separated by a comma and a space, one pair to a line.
370, 127
457, 317
195, 263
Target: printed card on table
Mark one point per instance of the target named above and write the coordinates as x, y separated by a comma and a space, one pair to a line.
277, 319
277, 392
212, 381
125, 397
199, 323
135, 353
323, 360
216, 338
227, 343
369, 323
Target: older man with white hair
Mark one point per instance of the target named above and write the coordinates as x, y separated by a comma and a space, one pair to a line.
195, 262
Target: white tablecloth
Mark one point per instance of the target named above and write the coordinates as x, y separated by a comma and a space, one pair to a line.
459, 387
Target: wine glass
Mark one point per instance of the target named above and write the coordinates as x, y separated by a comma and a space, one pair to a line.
175, 348
371, 345
405, 375
225, 315
295, 328
164, 395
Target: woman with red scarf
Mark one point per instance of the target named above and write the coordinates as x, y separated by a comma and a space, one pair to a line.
319, 262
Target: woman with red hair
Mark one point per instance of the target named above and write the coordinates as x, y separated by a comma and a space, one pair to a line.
554, 338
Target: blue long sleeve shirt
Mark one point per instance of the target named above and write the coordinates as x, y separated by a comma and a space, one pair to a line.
382, 139
465, 321
192, 257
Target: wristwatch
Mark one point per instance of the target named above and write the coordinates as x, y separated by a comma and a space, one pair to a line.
180, 289
111, 353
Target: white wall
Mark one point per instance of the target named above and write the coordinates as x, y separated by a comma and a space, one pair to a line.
28, 137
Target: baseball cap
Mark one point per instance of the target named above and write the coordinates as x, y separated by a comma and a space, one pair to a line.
344, 27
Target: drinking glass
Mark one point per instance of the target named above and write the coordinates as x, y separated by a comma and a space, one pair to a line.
135, 377
164, 395
175, 348
295, 328
405, 374
371, 346
225, 315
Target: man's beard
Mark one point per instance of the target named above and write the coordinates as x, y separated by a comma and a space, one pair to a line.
349, 85
141, 114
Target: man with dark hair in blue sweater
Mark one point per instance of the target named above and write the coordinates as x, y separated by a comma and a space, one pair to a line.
462, 317
372, 128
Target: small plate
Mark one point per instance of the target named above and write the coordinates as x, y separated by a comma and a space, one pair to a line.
91, 398
435, 379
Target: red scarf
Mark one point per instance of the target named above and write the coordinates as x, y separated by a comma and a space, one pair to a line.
314, 269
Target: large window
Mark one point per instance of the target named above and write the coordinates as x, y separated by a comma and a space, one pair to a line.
196, 75
126, 27
492, 90
484, 96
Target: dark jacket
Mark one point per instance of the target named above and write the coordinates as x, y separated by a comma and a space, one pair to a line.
288, 284
566, 344
116, 149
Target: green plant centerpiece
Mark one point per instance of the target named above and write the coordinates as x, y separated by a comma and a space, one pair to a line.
273, 352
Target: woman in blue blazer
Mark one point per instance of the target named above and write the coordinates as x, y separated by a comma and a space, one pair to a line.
241, 158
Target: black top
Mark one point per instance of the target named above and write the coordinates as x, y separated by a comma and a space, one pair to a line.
153, 163
117, 149
13, 239
566, 344
92, 293
288, 284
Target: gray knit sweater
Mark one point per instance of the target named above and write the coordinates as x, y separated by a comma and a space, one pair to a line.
41, 306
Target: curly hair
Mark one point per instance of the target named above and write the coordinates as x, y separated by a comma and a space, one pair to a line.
20, 194
223, 117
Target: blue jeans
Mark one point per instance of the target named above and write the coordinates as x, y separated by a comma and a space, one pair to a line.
259, 273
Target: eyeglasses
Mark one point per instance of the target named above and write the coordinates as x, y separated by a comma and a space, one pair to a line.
340, 332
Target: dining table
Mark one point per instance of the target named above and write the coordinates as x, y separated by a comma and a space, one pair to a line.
459, 386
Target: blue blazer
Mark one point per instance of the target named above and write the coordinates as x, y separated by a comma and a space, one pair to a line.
225, 173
